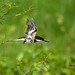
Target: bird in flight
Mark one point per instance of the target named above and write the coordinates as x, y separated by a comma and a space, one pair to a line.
31, 33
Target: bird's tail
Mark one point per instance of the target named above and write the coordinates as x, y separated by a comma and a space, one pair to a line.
20, 39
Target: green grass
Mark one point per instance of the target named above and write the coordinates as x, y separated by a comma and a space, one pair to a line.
55, 21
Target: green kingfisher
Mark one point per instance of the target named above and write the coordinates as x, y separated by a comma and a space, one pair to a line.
31, 33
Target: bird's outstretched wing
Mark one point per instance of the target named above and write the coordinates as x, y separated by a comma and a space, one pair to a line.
31, 29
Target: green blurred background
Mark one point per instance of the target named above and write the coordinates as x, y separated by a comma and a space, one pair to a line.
55, 20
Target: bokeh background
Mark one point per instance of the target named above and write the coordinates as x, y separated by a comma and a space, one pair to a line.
55, 20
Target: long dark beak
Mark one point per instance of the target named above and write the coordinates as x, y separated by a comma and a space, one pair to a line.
46, 40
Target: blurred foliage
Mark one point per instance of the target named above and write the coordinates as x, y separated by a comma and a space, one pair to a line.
55, 20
